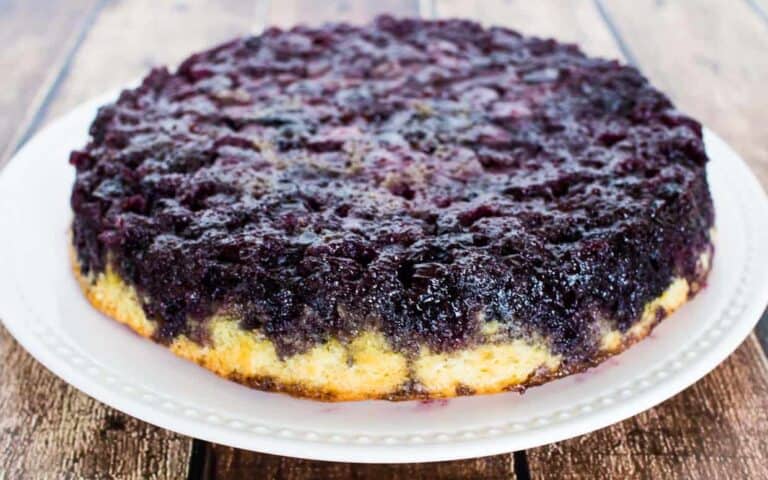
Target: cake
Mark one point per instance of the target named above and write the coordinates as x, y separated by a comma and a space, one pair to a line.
408, 209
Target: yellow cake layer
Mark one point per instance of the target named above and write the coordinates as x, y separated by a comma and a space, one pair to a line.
367, 367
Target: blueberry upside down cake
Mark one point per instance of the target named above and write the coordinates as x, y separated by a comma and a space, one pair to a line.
408, 209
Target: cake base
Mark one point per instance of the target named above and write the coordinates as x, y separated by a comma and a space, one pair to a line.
367, 367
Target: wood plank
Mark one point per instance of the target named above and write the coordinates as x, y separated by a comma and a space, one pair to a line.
715, 429
34, 50
50, 430
232, 464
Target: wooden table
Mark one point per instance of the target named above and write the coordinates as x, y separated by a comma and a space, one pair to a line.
710, 56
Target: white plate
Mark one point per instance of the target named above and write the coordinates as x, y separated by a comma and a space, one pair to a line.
44, 309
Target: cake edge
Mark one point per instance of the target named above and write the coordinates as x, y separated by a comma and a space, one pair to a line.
366, 368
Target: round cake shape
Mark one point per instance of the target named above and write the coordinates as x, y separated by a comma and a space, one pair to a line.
409, 209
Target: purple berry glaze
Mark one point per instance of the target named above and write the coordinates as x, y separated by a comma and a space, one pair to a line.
418, 177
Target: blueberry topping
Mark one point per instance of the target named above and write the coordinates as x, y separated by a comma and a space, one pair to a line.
417, 177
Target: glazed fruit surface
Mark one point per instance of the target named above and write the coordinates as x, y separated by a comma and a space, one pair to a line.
418, 178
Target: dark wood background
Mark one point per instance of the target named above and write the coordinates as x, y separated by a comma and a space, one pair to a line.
710, 56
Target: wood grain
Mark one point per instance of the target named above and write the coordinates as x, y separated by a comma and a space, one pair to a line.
50, 430
233, 464
34, 51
